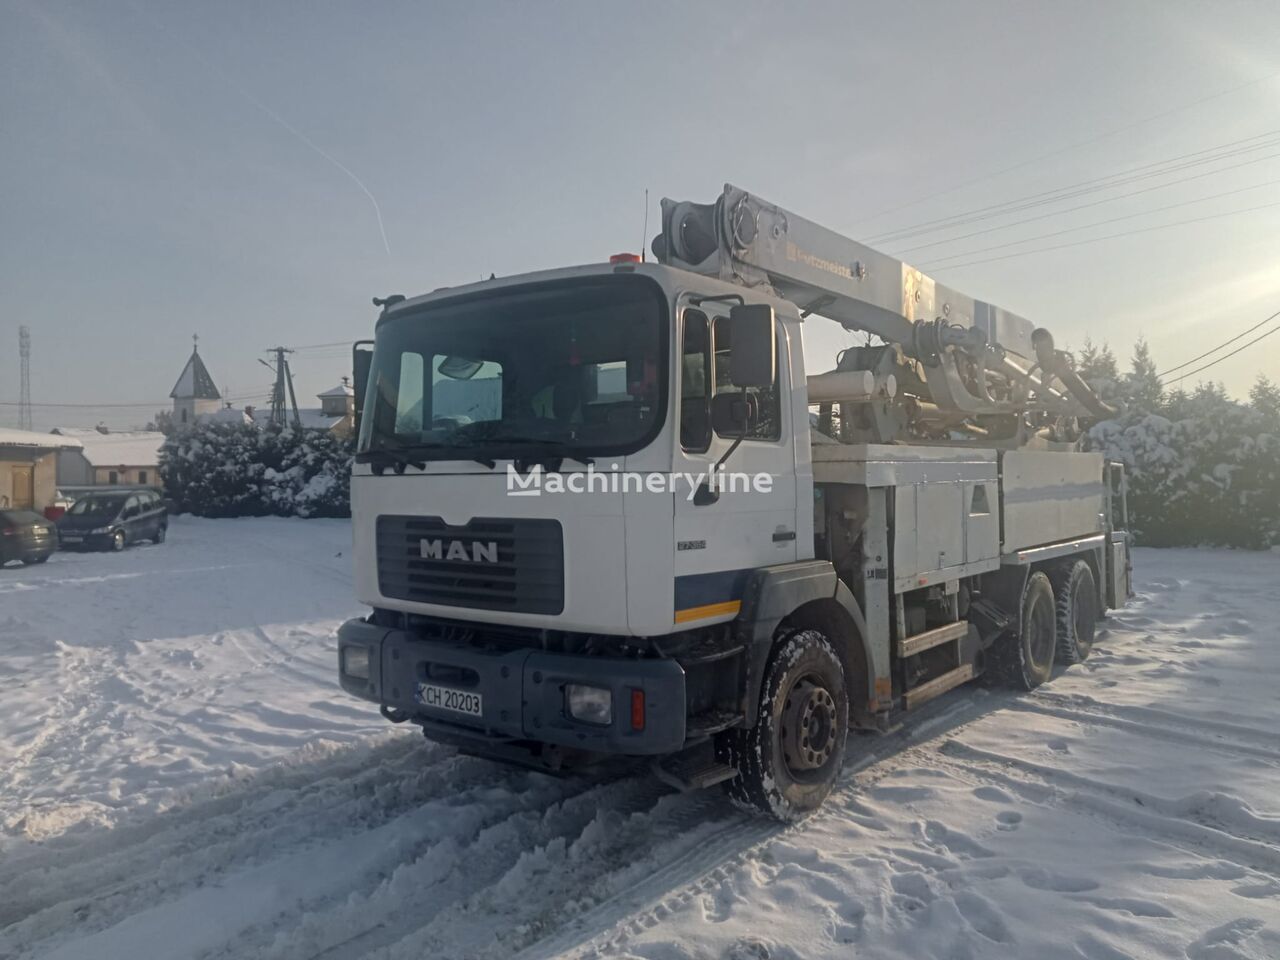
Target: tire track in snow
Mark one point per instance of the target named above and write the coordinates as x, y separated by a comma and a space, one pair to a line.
435, 879
1180, 735
104, 879
644, 901
365, 839
1241, 733
1254, 846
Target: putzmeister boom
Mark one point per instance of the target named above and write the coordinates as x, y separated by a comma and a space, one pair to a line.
562, 564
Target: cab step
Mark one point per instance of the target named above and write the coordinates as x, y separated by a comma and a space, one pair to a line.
937, 686
932, 638
693, 769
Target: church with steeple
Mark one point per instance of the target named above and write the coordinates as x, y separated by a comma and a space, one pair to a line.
194, 394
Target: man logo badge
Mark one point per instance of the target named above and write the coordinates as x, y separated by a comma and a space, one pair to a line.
476, 552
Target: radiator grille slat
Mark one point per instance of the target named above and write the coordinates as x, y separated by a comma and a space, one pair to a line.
528, 576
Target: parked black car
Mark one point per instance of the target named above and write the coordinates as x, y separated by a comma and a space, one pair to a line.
112, 521
26, 536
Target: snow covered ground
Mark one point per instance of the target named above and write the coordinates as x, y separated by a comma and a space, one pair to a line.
183, 779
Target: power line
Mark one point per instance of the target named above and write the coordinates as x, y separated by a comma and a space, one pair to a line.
151, 403
317, 346
1072, 146
1227, 356
1146, 171
1097, 223
1111, 236
1085, 206
1224, 343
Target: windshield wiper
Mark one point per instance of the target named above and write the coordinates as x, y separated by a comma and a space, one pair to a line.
549, 455
399, 456
402, 459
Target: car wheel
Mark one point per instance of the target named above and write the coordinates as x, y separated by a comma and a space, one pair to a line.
160, 534
117, 541
31, 561
788, 762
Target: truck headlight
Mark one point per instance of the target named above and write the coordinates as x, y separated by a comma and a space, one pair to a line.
355, 662
589, 704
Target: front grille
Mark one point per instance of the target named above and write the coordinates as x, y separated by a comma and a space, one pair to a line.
526, 577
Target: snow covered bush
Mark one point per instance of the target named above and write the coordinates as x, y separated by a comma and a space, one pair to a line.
240, 470
1203, 468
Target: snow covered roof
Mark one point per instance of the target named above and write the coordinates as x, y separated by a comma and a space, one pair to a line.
127, 448
312, 419
341, 390
195, 381
28, 438
225, 415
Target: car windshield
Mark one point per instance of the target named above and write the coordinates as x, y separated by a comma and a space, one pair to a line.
97, 507
573, 366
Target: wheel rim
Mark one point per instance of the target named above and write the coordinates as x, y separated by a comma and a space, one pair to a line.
809, 727
118, 541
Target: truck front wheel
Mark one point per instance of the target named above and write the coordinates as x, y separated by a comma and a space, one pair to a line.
788, 762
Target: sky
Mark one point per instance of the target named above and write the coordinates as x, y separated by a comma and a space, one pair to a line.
255, 173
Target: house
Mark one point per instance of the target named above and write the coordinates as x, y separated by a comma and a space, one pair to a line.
28, 468
103, 458
229, 414
336, 413
194, 395
339, 404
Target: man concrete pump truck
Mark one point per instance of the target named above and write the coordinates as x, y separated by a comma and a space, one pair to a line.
916, 517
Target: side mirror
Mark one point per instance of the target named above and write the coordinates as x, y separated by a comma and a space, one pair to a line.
733, 414
753, 352
361, 363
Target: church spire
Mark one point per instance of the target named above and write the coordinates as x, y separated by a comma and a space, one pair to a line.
195, 383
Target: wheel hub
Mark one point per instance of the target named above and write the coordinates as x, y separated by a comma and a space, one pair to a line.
808, 726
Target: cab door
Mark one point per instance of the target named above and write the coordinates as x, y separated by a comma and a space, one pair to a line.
752, 523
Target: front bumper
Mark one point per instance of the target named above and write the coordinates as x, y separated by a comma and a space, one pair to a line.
80, 540
522, 691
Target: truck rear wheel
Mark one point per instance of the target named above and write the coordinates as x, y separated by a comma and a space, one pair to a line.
1024, 660
788, 762
1077, 610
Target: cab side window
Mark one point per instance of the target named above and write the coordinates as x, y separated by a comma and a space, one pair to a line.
768, 425
695, 383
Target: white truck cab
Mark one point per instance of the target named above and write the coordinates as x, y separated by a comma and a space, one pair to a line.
594, 514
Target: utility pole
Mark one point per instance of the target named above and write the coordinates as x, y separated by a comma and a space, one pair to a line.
282, 395
24, 393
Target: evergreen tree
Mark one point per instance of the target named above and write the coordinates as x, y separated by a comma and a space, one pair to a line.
239, 470
1265, 397
1142, 386
1097, 366
162, 422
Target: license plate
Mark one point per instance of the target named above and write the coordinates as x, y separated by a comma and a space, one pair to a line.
446, 698
73, 539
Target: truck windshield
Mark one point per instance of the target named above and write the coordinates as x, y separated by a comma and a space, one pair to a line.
570, 368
